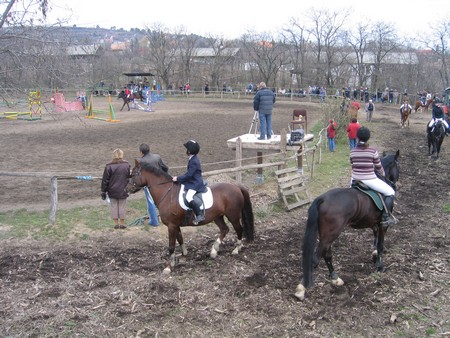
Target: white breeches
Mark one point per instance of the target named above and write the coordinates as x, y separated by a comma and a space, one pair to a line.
380, 186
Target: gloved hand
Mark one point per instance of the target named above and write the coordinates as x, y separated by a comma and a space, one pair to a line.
103, 195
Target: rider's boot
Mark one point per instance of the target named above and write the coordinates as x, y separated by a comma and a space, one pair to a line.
195, 204
387, 219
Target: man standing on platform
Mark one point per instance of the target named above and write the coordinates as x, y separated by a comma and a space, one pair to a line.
263, 104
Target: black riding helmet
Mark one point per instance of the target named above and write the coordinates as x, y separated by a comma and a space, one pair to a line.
192, 147
363, 134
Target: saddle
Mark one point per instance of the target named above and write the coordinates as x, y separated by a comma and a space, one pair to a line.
206, 197
374, 195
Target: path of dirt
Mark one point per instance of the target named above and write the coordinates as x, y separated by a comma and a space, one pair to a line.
111, 284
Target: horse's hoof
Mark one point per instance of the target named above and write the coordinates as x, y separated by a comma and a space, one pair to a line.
337, 282
167, 270
213, 254
235, 251
300, 292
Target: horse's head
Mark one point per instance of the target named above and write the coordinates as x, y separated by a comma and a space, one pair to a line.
136, 179
391, 168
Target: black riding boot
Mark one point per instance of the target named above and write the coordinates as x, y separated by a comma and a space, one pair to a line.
387, 219
196, 204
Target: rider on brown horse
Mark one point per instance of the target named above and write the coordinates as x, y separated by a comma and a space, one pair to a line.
366, 164
193, 181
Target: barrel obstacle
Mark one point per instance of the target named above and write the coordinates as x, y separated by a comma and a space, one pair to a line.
34, 106
91, 112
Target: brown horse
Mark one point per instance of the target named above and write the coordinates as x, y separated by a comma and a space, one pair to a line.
230, 200
419, 105
405, 112
330, 213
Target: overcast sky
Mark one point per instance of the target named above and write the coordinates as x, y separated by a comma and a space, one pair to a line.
232, 18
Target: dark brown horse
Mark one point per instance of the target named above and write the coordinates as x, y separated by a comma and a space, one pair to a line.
127, 100
435, 136
230, 200
405, 113
330, 213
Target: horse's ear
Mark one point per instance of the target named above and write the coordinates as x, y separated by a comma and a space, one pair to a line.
384, 154
136, 163
397, 154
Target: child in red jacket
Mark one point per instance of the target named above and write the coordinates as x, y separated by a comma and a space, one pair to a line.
331, 134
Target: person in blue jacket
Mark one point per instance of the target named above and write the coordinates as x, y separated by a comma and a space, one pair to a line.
263, 104
193, 180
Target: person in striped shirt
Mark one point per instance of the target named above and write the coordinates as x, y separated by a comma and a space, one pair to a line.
366, 164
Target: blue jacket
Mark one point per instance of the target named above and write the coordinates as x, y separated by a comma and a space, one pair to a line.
192, 179
263, 101
437, 112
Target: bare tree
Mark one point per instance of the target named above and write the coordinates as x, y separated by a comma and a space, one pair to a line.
358, 40
187, 44
218, 65
296, 37
328, 33
438, 43
383, 42
162, 52
266, 53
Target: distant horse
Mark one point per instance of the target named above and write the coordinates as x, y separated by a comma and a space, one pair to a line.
230, 200
435, 136
405, 113
128, 100
419, 105
330, 213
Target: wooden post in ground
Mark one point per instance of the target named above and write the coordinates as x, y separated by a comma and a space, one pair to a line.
53, 200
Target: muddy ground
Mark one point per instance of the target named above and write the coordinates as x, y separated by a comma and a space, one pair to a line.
111, 283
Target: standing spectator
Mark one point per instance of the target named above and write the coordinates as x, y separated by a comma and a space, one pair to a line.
206, 88
263, 104
188, 88
352, 130
114, 181
331, 134
370, 108
156, 161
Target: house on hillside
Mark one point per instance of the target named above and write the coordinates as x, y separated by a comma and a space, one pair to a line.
84, 51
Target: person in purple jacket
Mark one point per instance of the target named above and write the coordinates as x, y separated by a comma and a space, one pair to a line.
193, 180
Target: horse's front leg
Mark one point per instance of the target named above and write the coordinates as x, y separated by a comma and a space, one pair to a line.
223, 232
380, 248
173, 234
181, 242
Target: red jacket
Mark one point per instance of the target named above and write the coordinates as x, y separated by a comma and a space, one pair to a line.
352, 129
331, 130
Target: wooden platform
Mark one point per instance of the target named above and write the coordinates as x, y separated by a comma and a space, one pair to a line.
250, 141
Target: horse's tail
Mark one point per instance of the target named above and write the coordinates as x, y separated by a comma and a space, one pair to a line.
309, 241
248, 221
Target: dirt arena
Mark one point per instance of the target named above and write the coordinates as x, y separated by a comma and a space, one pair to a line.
112, 285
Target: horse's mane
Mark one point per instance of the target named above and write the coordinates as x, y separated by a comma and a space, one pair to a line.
156, 170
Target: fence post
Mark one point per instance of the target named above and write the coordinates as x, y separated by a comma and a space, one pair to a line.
53, 199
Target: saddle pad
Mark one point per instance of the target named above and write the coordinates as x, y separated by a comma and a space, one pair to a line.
206, 196
373, 195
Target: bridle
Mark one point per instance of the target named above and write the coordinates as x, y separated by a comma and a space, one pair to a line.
136, 187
